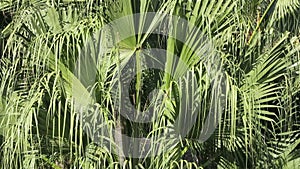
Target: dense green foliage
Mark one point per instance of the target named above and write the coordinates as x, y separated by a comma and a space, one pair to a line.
257, 43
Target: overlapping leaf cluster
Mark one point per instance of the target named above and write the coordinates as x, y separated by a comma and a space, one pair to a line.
257, 43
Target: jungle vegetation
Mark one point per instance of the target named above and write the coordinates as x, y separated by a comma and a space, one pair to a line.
257, 44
